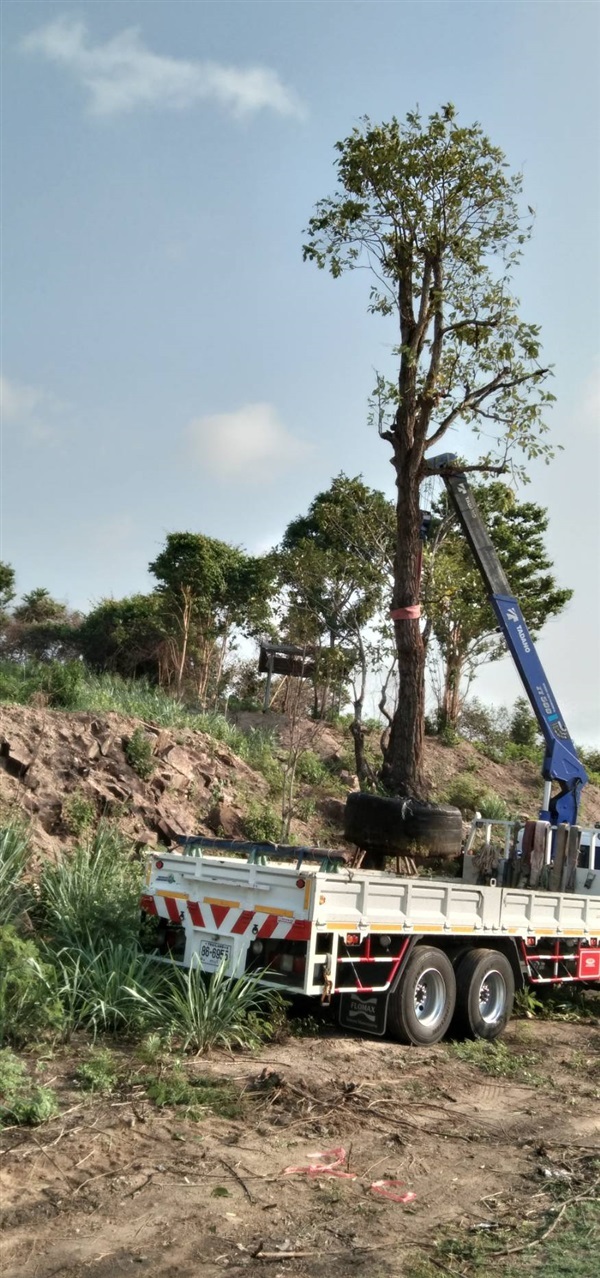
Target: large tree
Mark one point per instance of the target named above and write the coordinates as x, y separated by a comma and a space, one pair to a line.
431, 208
455, 601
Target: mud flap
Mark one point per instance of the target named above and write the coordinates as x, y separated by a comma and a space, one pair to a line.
364, 1013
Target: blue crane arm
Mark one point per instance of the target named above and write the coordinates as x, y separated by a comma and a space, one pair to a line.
560, 763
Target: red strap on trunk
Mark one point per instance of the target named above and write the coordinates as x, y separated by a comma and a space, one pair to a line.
412, 613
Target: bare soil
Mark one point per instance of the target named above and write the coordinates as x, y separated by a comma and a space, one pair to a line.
115, 1183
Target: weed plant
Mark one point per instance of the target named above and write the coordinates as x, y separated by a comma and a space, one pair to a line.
139, 755
29, 1000
98, 1073
21, 1101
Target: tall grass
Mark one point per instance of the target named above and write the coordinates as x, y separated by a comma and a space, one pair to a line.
108, 988
217, 1012
14, 852
91, 895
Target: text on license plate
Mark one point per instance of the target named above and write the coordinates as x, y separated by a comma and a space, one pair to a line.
213, 953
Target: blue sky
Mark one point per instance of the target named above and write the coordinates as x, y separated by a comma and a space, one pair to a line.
169, 362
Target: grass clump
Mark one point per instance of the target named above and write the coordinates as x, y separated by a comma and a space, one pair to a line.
499, 1060
113, 988
14, 852
91, 895
21, 1101
175, 1087
139, 754
466, 792
202, 1013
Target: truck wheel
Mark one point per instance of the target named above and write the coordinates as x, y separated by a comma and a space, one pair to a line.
421, 1008
485, 994
402, 825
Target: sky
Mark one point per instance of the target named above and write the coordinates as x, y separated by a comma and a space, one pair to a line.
169, 362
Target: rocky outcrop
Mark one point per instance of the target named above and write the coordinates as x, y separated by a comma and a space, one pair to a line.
59, 769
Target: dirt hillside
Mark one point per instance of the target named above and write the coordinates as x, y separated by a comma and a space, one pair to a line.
60, 769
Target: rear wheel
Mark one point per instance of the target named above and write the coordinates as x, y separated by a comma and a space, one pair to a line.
421, 1008
485, 994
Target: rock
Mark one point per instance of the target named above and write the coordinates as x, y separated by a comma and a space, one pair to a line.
350, 779
180, 761
223, 819
332, 809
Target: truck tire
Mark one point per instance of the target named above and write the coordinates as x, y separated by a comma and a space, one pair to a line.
421, 1008
485, 993
402, 825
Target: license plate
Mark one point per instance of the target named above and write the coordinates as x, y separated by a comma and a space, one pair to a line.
213, 953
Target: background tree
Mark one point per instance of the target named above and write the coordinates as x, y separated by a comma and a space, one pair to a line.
430, 207
455, 602
41, 628
7, 588
208, 587
129, 637
335, 565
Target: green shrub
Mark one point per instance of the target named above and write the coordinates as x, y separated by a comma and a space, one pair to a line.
466, 792
262, 824
14, 851
21, 1101
311, 769
78, 813
99, 1073
29, 1003
139, 755
91, 894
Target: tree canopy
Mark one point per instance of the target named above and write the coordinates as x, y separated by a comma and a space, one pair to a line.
454, 597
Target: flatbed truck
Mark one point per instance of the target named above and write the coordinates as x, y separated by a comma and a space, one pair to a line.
407, 956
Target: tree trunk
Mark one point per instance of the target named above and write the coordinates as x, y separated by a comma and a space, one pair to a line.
402, 772
451, 698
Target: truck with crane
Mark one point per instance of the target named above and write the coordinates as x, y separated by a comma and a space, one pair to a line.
409, 956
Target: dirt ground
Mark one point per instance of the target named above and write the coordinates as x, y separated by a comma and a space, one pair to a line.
116, 1184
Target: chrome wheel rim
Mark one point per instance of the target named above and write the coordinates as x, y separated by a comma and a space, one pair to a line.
430, 997
492, 997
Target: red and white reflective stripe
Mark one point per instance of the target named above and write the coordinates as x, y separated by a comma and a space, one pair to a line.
213, 916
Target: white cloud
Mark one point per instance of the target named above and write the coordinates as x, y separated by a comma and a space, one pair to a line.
123, 74
251, 442
29, 408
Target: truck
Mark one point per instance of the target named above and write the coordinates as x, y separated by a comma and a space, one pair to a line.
409, 956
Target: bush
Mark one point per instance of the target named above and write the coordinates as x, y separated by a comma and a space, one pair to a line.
20, 1100
78, 813
14, 851
29, 1003
139, 754
262, 824
311, 769
466, 792
92, 894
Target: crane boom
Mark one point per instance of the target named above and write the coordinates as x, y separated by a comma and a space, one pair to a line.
561, 763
